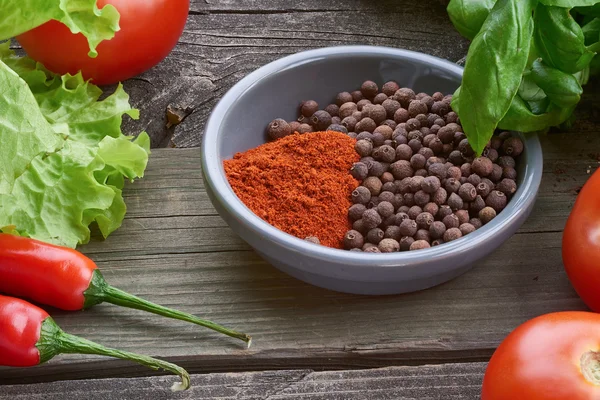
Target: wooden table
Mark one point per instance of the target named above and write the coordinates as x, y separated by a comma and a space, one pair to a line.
309, 343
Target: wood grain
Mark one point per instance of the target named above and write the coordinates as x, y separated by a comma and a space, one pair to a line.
173, 249
226, 40
440, 382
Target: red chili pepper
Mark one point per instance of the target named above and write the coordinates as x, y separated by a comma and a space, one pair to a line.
66, 279
29, 336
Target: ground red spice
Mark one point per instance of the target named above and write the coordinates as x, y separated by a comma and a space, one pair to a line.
300, 184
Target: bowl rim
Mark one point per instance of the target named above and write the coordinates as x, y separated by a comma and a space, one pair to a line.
214, 173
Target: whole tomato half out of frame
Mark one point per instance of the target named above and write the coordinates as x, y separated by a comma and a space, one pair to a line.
581, 243
551, 357
149, 31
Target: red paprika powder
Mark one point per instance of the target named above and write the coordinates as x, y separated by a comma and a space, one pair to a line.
300, 184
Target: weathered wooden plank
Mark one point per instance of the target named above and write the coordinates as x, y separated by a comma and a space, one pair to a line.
174, 250
428, 382
224, 41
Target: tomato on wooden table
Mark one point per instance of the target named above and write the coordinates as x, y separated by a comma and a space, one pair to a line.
581, 243
551, 357
149, 31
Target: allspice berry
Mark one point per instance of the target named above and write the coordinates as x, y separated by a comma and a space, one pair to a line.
424, 220
321, 120
466, 228
440, 196
408, 227
483, 189
476, 222
359, 225
389, 88
496, 174
497, 200
373, 184
452, 234
401, 115
406, 242
385, 209
487, 214
356, 211
359, 171
474, 179
389, 246
404, 96
371, 219
477, 205
308, 108
414, 211
372, 249
455, 202
509, 173
377, 113
337, 128
454, 172
364, 147
507, 186
417, 107
305, 128
437, 229
369, 89
278, 128
412, 124
417, 161
357, 96
467, 192
421, 197
347, 109
375, 236
333, 110
440, 108
366, 124
385, 131
361, 195
419, 245
452, 185
343, 97
423, 234
380, 98
463, 216
513, 146
451, 221
387, 154
353, 240
482, 166
431, 208
506, 161
392, 232
401, 169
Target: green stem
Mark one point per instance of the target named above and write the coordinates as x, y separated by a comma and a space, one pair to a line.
100, 291
54, 341
594, 47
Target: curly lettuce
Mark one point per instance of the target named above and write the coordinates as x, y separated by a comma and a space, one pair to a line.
63, 157
80, 16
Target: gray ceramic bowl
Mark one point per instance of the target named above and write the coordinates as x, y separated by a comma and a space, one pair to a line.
238, 123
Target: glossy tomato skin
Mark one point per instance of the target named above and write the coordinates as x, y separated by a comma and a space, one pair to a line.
581, 243
540, 360
149, 31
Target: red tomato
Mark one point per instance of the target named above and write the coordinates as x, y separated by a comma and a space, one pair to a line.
552, 357
149, 31
581, 243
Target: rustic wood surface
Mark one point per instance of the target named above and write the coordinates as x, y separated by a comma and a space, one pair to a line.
175, 250
432, 382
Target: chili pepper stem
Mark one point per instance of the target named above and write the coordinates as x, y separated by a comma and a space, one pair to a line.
54, 341
100, 291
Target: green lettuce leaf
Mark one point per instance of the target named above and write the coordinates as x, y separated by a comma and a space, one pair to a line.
63, 158
80, 16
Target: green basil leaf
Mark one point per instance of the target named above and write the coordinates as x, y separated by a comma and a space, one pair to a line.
495, 63
561, 88
569, 3
469, 15
530, 91
539, 106
559, 39
520, 118
591, 32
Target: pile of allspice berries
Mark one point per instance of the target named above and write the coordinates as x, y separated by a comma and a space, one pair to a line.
420, 182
